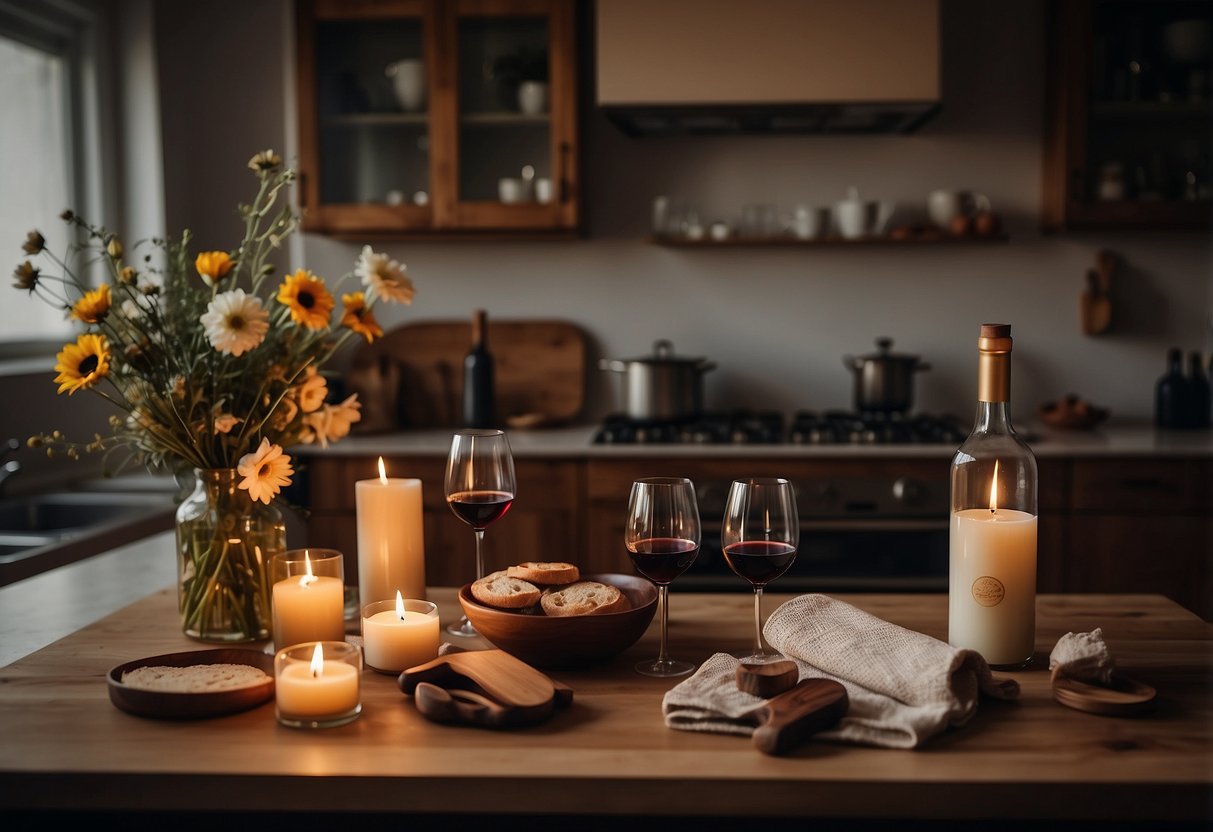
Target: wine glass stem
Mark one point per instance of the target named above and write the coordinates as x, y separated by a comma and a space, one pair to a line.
664, 592
758, 621
479, 553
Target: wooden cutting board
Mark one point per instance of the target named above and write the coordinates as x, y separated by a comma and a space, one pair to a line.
413, 376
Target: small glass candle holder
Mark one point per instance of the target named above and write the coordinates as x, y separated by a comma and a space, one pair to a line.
400, 634
317, 685
308, 596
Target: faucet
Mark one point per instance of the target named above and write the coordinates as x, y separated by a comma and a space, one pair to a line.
12, 466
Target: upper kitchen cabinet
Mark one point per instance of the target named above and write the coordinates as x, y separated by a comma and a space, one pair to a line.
438, 117
1129, 124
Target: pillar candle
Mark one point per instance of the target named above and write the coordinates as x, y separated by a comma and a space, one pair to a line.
400, 637
992, 602
308, 608
391, 542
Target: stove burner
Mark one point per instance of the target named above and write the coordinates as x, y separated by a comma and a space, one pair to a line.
745, 427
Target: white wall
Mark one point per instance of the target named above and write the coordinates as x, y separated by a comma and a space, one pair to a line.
776, 321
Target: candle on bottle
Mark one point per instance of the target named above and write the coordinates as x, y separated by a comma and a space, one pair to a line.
399, 635
319, 692
391, 541
993, 563
308, 606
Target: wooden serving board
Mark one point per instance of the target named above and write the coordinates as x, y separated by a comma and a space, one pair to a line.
540, 368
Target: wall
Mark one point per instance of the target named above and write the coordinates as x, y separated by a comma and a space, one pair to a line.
777, 322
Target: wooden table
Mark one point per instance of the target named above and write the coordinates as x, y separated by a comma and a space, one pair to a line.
65, 747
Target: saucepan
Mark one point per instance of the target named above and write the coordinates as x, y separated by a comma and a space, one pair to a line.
884, 381
661, 386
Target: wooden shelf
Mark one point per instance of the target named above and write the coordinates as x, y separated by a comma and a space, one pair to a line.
504, 118
377, 120
825, 242
1128, 214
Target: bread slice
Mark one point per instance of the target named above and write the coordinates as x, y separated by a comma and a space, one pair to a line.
545, 573
500, 590
584, 598
194, 678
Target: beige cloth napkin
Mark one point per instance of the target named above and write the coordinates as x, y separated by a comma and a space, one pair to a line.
1083, 656
904, 687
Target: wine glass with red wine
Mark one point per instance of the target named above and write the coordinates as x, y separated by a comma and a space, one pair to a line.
662, 537
760, 535
480, 489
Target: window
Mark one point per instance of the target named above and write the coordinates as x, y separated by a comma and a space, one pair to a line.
49, 88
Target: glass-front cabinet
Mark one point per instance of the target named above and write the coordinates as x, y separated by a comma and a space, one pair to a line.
432, 117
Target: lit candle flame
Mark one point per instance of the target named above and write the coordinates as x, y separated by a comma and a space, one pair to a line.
309, 578
399, 606
382, 472
317, 666
994, 489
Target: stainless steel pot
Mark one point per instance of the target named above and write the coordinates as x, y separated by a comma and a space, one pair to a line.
884, 381
661, 386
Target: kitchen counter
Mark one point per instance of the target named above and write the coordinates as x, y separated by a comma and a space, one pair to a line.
66, 748
1111, 440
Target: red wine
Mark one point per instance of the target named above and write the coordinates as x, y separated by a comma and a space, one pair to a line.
662, 559
480, 509
759, 561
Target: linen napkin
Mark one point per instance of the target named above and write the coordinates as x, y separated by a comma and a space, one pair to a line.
1083, 656
904, 687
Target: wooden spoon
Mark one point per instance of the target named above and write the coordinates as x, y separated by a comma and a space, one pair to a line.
794, 715
768, 679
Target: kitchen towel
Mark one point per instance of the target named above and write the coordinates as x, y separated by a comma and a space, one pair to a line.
904, 687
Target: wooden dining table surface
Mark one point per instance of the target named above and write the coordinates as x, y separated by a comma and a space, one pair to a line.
65, 748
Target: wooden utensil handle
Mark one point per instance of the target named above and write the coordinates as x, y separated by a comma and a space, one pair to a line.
788, 719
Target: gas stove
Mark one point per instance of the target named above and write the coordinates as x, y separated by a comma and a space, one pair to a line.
746, 427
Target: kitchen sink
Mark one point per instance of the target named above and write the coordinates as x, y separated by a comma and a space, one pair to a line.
42, 531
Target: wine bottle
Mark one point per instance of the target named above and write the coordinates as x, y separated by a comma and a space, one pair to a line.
992, 562
478, 377
1198, 392
1171, 399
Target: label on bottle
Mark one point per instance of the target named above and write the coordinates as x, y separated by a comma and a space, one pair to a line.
988, 591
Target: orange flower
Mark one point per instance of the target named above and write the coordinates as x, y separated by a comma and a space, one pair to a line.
310, 303
94, 306
359, 317
82, 364
213, 266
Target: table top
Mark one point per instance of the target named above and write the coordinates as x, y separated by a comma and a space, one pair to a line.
66, 747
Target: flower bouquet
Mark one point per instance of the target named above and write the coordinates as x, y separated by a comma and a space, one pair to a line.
214, 363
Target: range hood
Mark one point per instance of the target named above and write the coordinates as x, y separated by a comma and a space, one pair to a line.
712, 67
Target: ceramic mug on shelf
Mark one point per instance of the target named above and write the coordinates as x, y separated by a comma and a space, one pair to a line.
943, 206
533, 97
511, 190
810, 222
543, 190
408, 79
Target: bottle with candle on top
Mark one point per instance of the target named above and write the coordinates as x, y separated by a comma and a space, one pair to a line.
992, 564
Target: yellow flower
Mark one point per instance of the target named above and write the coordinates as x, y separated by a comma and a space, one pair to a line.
265, 471
310, 303
82, 364
93, 306
312, 390
213, 266
359, 317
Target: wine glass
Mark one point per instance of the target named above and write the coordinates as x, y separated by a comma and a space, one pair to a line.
662, 536
480, 489
760, 535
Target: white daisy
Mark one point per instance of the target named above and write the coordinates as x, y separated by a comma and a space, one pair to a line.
235, 322
385, 276
265, 471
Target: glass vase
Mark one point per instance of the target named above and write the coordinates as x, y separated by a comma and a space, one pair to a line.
225, 540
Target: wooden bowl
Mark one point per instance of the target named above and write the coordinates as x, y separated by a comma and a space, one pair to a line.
175, 705
1072, 413
567, 641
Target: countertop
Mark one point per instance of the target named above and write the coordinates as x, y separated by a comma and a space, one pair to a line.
1111, 440
67, 748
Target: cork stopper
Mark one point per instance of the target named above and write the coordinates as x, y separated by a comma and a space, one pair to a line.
995, 331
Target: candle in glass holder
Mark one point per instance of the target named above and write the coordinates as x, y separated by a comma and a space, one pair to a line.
308, 597
391, 542
399, 635
317, 685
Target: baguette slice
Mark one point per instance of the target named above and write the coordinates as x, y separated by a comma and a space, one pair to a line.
195, 678
584, 598
500, 590
545, 573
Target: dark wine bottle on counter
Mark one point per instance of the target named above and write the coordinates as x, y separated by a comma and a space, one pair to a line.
1198, 392
1171, 408
478, 377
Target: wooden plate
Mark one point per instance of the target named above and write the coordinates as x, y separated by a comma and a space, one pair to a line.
1125, 697
173, 705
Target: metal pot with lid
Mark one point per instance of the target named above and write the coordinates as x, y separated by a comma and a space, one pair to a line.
661, 386
884, 381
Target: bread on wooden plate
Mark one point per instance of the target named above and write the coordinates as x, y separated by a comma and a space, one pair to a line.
498, 589
583, 598
545, 573
196, 678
